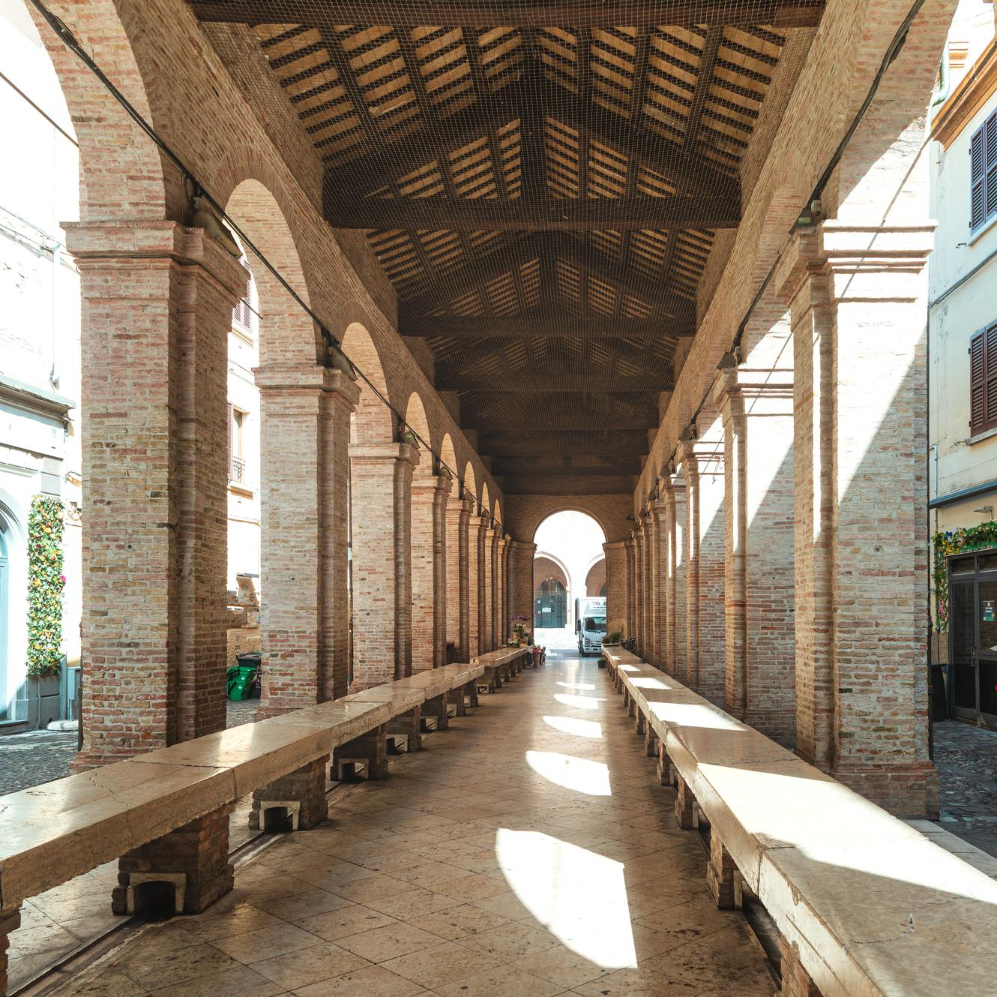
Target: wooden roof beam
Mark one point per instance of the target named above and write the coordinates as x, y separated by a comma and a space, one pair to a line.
551, 379
543, 14
543, 324
566, 443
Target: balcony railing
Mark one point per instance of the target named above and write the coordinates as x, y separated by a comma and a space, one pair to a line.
237, 471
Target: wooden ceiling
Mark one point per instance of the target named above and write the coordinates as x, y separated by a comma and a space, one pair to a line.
542, 187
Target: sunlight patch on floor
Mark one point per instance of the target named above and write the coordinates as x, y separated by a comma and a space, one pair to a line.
581, 702
572, 725
581, 775
579, 896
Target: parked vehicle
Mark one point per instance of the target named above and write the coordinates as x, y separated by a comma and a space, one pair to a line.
590, 624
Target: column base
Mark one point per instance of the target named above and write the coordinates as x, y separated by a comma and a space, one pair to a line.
369, 750
650, 741
902, 790
684, 804
187, 869
294, 802
721, 874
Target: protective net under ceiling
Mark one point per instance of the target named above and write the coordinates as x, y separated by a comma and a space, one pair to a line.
544, 184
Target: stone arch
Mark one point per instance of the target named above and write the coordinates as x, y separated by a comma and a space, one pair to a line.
288, 333
373, 421
469, 483
595, 577
416, 420
448, 456
497, 511
547, 569
485, 502
569, 508
144, 184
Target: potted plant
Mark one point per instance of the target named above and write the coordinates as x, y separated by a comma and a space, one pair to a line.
613, 639
519, 624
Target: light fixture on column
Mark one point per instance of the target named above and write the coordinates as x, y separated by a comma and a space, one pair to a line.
730, 360
688, 435
989, 509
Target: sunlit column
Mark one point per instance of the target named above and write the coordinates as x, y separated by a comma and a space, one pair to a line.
639, 587
673, 492
857, 296
486, 595
631, 548
458, 511
616, 586
656, 548
475, 539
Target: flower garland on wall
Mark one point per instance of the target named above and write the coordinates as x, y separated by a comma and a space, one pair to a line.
963, 540
45, 584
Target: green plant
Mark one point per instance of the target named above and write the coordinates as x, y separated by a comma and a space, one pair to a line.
614, 638
45, 584
955, 542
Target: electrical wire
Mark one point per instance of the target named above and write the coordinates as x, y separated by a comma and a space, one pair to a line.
69, 40
62, 131
892, 51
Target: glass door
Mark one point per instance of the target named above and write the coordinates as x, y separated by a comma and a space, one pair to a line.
986, 659
973, 636
962, 653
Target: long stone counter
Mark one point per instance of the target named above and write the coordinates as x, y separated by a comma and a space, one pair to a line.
165, 813
865, 903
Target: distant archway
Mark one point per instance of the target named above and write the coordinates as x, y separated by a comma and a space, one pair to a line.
575, 539
595, 579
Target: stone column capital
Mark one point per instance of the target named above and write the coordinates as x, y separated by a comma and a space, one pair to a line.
117, 244
834, 247
614, 545
744, 384
281, 377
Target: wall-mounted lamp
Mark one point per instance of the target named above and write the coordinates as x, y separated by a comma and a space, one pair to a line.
986, 508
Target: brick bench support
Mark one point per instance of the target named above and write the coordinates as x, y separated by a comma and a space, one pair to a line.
458, 698
796, 981
409, 724
721, 875
436, 709
370, 750
295, 801
192, 860
684, 804
651, 741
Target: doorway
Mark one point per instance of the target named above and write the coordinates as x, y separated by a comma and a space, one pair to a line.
973, 636
551, 609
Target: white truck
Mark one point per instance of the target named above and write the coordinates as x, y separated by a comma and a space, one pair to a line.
590, 624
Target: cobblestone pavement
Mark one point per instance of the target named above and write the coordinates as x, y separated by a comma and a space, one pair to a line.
966, 757
39, 756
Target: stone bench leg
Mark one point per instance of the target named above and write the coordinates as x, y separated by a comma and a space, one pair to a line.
455, 697
10, 920
721, 875
409, 724
796, 981
294, 802
490, 680
370, 750
436, 709
631, 704
191, 862
638, 721
650, 741
663, 770
471, 692
684, 803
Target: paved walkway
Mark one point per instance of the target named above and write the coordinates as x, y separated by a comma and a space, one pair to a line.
966, 757
526, 852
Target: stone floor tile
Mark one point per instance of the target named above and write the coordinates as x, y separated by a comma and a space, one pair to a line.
509, 941
440, 964
237, 981
560, 965
110, 983
458, 922
150, 968
265, 943
345, 921
637, 982
310, 965
502, 981
214, 924
405, 906
473, 887
305, 904
372, 981
371, 887
389, 942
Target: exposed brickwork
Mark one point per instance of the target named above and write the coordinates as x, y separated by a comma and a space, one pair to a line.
195, 854
458, 511
488, 597
524, 513
617, 586
10, 920
673, 489
631, 548
429, 493
157, 303
861, 523
475, 526
656, 550
304, 787
640, 587
305, 468
382, 574
796, 981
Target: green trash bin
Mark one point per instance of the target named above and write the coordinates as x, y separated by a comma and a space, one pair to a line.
241, 678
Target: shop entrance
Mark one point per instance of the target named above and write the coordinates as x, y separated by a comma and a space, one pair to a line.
973, 636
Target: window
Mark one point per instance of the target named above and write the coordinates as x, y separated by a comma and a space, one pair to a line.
244, 313
983, 381
237, 420
983, 173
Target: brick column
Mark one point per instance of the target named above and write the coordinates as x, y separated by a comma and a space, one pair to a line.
631, 548
441, 558
157, 305
756, 405
495, 603
485, 537
502, 615
857, 301
673, 492
429, 495
656, 551
639, 587
458, 612
616, 586
522, 578
304, 451
690, 471
474, 542
382, 567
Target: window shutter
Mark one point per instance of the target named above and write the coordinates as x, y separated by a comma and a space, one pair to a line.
990, 365
231, 420
977, 177
991, 154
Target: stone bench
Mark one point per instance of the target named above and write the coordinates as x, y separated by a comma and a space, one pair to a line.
865, 904
501, 665
164, 814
